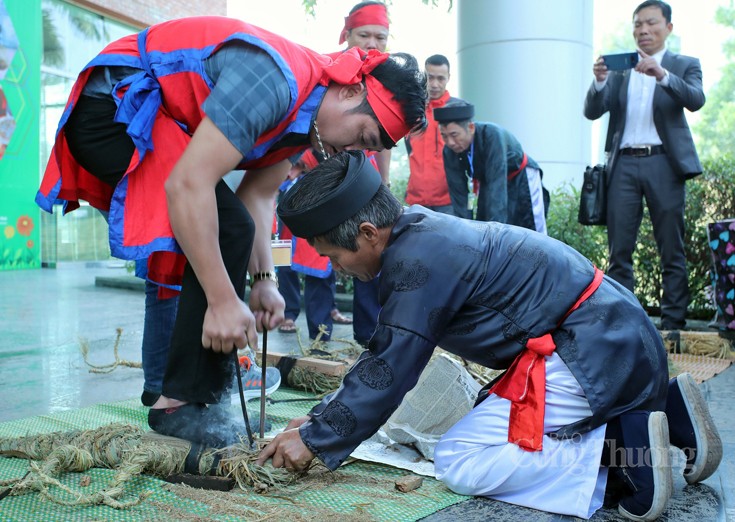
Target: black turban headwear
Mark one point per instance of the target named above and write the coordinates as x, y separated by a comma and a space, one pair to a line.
454, 113
360, 184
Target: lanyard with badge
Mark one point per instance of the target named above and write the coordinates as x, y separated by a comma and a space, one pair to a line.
471, 185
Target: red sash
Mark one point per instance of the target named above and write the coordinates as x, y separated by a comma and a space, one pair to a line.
524, 384
511, 175
524, 163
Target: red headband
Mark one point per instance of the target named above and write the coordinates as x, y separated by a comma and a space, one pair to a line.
373, 14
350, 68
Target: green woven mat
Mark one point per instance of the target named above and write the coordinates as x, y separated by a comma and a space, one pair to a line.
361, 491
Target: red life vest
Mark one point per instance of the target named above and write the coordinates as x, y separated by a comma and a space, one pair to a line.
162, 108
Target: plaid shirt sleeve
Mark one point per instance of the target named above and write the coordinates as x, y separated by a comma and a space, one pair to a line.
250, 94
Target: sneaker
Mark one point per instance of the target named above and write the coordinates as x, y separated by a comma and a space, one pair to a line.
252, 376
692, 429
645, 465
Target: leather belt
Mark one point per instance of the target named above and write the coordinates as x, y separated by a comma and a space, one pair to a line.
646, 150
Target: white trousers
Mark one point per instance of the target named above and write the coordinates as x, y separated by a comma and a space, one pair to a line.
475, 458
537, 198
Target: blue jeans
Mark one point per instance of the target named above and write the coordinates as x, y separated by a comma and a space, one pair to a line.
158, 325
319, 302
318, 299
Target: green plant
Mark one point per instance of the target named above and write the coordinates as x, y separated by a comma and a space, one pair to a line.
710, 198
344, 283
590, 241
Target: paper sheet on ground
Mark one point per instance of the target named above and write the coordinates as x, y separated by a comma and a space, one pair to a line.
379, 448
444, 394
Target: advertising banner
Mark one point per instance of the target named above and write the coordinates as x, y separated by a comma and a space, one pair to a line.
20, 76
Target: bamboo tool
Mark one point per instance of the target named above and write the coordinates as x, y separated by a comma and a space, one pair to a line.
281, 253
262, 382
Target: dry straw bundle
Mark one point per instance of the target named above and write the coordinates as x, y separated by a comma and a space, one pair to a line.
127, 450
320, 384
709, 344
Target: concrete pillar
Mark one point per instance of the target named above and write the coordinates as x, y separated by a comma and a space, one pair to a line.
526, 65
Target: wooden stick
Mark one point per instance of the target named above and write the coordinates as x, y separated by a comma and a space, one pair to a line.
323, 366
262, 383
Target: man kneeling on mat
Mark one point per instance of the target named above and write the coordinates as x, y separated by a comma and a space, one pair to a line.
583, 402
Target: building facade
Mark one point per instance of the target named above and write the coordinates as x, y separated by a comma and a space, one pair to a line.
526, 66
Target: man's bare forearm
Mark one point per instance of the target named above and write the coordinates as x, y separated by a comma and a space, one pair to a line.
258, 192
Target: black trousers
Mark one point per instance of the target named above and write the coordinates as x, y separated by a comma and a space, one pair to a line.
196, 374
193, 373
97, 142
652, 178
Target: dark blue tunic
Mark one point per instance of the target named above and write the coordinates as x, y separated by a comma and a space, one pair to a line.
496, 154
481, 290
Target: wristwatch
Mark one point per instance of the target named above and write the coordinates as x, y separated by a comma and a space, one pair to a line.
263, 276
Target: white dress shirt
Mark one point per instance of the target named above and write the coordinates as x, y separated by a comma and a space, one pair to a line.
639, 127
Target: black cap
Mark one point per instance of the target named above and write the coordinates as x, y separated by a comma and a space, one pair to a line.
452, 113
362, 181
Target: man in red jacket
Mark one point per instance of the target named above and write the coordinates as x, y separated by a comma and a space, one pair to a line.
427, 181
367, 27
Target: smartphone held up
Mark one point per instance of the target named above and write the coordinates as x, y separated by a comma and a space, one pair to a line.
620, 61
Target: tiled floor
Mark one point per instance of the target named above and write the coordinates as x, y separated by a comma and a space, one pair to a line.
45, 314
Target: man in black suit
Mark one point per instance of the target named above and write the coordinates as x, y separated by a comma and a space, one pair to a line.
650, 152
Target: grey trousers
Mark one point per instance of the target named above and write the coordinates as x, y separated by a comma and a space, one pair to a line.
651, 178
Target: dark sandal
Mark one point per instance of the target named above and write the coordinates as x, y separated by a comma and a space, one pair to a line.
211, 427
338, 318
287, 326
183, 422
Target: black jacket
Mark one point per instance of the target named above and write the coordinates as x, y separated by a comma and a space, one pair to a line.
481, 290
496, 155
